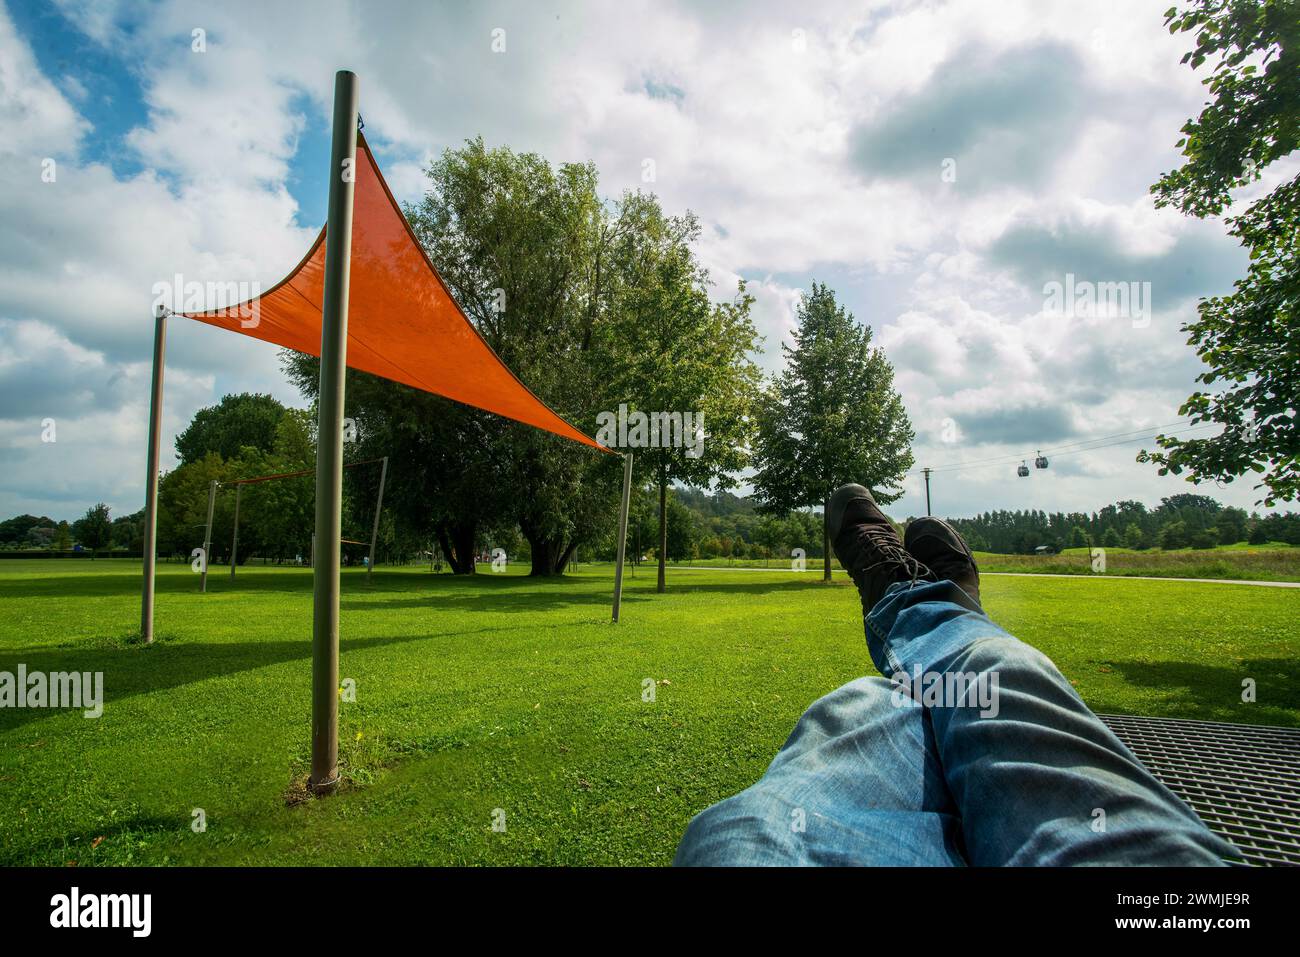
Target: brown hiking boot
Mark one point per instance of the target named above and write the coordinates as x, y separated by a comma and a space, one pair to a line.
942, 549
867, 545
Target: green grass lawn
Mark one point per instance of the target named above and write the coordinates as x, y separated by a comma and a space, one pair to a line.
505, 692
1275, 561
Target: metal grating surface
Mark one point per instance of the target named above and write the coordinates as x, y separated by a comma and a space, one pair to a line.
1243, 780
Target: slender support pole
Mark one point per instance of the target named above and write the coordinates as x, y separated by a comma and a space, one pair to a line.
151, 477
234, 538
927, 490
374, 531
622, 533
329, 439
207, 536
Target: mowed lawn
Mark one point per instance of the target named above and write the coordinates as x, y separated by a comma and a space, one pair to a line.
501, 695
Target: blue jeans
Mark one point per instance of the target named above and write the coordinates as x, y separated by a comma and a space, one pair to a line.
979, 752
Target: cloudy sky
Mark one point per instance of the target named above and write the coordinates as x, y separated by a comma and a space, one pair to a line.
936, 163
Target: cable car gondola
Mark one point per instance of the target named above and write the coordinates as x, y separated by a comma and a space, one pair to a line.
1041, 461
1023, 470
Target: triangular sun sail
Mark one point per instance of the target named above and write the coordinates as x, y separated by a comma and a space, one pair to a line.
403, 323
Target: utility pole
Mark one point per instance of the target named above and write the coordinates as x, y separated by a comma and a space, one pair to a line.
329, 437
374, 531
621, 547
207, 535
151, 479
234, 539
927, 490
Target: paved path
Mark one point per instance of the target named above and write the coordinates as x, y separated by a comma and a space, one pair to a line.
1139, 578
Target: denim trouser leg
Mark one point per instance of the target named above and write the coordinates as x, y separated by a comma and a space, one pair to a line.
1017, 772
857, 782
1036, 776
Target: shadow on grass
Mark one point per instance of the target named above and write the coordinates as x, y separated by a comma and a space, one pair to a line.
88, 585
511, 595
354, 584
115, 845
1213, 692
174, 580
134, 670
495, 600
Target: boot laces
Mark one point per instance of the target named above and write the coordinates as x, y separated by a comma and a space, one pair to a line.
891, 552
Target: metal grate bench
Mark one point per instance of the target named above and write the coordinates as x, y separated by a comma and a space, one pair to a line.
1243, 780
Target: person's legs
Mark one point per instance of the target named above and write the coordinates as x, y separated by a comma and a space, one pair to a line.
857, 782
1037, 778
1001, 763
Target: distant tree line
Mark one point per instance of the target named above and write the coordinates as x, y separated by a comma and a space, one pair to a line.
725, 525
276, 521
1180, 521
721, 524
96, 532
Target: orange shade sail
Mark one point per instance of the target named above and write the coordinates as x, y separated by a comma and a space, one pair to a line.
403, 323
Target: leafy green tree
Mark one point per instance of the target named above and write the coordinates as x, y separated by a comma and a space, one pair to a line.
94, 530
1257, 534
641, 523
1078, 537
1230, 526
1282, 528
236, 422
710, 547
183, 505
673, 351
771, 534
1110, 539
738, 547
528, 250
1134, 538
445, 459
1250, 339
1173, 535
128, 532
277, 518
683, 531
63, 536
13, 531
41, 536
831, 417
1189, 501
1203, 538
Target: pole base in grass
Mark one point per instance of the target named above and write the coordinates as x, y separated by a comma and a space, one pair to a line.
323, 788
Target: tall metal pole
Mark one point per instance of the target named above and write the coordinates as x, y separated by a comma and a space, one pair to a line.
234, 539
927, 490
622, 533
374, 531
329, 439
151, 476
207, 536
